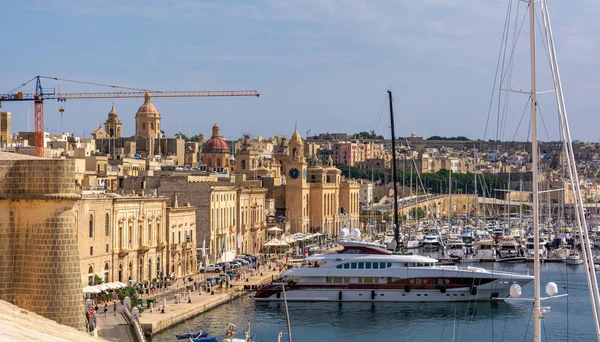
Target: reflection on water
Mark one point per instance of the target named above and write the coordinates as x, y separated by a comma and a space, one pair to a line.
467, 321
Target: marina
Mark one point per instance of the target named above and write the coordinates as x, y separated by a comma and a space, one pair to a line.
474, 321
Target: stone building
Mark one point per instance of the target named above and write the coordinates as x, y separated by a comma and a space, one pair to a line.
39, 259
5, 127
113, 125
147, 119
315, 198
94, 217
140, 238
215, 153
181, 224
251, 219
215, 203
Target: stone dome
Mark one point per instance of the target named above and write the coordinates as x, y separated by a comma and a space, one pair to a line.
216, 144
148, 108
296, 137
113, 116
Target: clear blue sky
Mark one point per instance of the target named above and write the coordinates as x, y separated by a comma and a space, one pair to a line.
324, 63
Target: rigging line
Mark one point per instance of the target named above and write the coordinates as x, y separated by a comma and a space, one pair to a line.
518, 35
380, 113
21, 86
521, 120
511, 68
496, 74
505, 43
96, 84
543, 121
528, 324
427, 195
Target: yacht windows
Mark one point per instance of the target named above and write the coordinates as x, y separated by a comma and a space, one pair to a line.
368, 265
353, 265
361, 265
346, 266
375, 265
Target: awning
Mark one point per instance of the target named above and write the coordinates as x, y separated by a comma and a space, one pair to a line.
91, 289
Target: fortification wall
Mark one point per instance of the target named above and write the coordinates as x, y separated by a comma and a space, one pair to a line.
39, 261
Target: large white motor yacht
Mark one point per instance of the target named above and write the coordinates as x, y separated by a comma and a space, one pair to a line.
370, 273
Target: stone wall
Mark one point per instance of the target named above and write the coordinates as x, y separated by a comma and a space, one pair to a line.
39, 261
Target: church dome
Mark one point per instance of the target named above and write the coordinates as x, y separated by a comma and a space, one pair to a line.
296, 137
148, 108
216, 144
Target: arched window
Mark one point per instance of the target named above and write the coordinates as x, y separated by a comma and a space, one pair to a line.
143, 125
91, 225
253, 163
294, 152
106, 272
209, 163
312, 178
111, 132
106, 224
328, 180
243, 165
218, 162
152, 125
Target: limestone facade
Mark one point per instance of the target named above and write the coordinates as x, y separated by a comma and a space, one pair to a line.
140, 238
215, 153
39, 259
251, 219
147, 119
181, 222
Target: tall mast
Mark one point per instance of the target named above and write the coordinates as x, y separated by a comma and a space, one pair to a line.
394, 180
475, 204
537, 331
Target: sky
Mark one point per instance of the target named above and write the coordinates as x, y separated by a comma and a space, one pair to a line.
325, 64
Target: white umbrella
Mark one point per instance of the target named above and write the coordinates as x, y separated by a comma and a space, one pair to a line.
91, 289
276, 243
112, 286
103, 287
275, 229
122, 285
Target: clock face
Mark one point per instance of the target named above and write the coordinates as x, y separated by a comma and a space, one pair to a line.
294, 173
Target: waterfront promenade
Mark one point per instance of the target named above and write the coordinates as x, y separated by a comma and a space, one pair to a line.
153, 321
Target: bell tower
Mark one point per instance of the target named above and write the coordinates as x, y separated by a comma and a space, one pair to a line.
297, 191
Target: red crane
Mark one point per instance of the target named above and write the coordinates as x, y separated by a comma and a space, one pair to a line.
42, 94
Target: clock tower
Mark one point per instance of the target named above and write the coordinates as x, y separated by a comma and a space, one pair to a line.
297, 191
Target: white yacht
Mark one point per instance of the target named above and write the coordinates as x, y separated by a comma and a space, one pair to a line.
455, 247
373, 274
485, 249
530, 247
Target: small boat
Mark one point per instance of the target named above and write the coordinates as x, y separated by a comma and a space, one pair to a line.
230, 333
192, 335
204, 339
574, 259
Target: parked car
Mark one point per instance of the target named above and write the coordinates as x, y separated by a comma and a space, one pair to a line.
235, 264
212, 281
243, 261
211, 268
223, 265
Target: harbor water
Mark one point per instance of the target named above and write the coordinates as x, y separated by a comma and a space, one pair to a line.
569, 320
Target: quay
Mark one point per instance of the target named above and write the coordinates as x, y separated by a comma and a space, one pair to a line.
154, 321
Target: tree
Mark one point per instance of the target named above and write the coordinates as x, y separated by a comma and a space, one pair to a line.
97, 280
458, 138
181, 136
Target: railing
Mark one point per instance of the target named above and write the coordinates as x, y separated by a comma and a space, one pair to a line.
138, 332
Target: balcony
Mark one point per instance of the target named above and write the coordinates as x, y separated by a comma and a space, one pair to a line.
143, 249
123, 253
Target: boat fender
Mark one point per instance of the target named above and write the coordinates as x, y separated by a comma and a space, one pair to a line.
372, 294
443, 288
340, 295
473, 290
278, 295
407, 288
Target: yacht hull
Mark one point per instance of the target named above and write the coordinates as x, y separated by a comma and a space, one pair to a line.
491, 291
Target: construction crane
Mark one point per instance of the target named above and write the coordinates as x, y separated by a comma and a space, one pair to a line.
42, 94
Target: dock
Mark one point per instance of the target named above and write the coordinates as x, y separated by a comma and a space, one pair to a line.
154, 321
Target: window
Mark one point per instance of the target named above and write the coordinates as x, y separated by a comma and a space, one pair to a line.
106, 230
152, 125
346, 266
368, 265
91, 225
375, 265
339, 266
361, 265
106, 248
382, 265
143, 125
91, 250
353, 265
389, 264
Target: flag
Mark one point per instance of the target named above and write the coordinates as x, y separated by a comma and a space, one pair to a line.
239, 240
203, 248
223, 248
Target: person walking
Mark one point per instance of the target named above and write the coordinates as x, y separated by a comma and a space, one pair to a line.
115, 309
105, 308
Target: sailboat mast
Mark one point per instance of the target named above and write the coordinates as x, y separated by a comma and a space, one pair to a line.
475, 204
537, 332
394, 180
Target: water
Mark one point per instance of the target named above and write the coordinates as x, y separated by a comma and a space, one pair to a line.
570, 319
